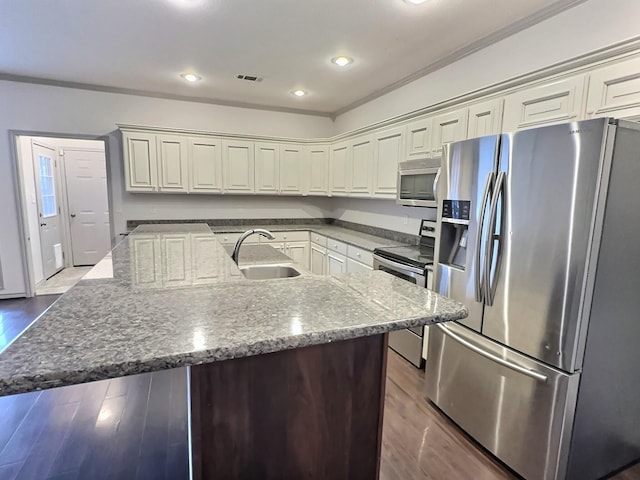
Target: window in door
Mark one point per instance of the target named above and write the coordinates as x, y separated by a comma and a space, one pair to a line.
48, 206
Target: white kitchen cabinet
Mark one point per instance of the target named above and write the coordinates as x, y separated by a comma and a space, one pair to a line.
340, 163
232, 238
298, 252
554, 102
615, 91
388, 151
485, 118
205, 263
418, 138
173, 163
355, 266
336, 263
175, 250
267, 168
291, 168
146, 266
238, 160
448, 127
140, 162
318, 259
280, 246
205, 160
317, 160
361, 165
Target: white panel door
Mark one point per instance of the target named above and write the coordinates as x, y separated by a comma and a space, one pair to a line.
318, 259
45, 169
448, 127
387, 153
140, 160
485, 118
418, 143
88, 200
291, 167
172, 160
267, 167
361, 165
615, 90
205, 159
318, 169
340, 160
238, 166
299, 253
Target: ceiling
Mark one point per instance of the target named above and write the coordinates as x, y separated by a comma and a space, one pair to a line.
142, 46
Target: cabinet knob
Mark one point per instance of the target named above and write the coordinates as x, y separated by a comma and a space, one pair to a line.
358, 254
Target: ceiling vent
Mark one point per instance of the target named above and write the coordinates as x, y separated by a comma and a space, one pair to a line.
249, 78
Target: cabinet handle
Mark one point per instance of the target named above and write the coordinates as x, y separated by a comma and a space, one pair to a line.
358, 254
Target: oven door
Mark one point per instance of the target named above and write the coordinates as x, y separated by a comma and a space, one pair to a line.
417, 187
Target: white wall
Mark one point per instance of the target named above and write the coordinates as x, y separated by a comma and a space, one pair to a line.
70, 111
587, 27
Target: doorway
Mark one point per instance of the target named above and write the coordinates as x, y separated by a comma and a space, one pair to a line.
65, 209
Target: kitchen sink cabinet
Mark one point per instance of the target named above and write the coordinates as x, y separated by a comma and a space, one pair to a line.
317, 169
388, 151
485, 118
140, 159
614, 91
205, 162
294, 244
291, 169
238, 160
172, 153
267, 168
298, 252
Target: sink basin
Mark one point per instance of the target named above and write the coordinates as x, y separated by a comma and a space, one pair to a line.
266, 272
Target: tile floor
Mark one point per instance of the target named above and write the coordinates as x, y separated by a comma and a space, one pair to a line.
62, 281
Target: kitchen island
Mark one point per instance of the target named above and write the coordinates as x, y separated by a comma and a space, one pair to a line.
287, 376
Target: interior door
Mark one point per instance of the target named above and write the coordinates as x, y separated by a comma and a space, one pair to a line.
86, 176
45, 169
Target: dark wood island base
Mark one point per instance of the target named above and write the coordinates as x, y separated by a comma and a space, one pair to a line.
312, 412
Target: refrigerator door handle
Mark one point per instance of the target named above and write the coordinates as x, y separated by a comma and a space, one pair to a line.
505, 363
488, 187
435, 186
492, 237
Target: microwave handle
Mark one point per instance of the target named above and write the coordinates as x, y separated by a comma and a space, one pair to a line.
435, 186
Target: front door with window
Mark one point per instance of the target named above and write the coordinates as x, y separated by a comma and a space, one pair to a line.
46, 176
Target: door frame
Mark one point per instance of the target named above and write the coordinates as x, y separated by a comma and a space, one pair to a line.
21, 211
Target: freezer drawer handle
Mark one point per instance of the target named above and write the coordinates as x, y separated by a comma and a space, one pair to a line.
492, 357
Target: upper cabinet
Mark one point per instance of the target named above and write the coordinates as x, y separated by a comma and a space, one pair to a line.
554, 102
205, 155
361, 166
317, 168
418, 138
172, 160
615, 91
485, 118
140, 162
448, 127
238, 166
339, 168
267, 167
291, 169
388, 151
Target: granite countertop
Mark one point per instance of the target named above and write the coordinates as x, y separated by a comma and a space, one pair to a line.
173, 297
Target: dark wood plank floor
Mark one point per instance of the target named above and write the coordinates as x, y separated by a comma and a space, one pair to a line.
17, 314
136, 428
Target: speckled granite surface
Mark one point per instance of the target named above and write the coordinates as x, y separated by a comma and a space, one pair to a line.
176, 298
251, 254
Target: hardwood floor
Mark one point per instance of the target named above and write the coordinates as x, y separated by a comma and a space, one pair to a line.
17, 314
136, 427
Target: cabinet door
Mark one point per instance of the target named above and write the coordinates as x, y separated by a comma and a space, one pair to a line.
299, 253
238, 166
418, 144
353, 266
205, 170
291, 169
387, 154
336, 263
555, 102
318, 169
176, 259
267, 167
146, 269
448, 127
172, 159
615, 91
140, 162
340, 160
318, 259
361, 165
485, 118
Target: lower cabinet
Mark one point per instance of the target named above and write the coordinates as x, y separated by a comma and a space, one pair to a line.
354, 266
336, 263
318, 259
298, 252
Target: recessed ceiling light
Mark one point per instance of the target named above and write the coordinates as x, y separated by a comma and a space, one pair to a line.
415, 2
299, 93
342, 61
191, 77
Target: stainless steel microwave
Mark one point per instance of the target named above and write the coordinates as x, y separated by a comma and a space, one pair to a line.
417, 182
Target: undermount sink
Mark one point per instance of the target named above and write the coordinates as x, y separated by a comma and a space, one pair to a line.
266, 272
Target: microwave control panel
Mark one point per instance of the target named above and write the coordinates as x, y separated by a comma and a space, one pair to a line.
456, 210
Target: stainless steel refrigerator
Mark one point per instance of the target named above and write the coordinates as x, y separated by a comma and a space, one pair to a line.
539, 235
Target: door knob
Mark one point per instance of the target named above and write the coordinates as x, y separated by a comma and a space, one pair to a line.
73, 215
43, 224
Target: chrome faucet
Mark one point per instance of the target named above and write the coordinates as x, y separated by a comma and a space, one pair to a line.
259, 231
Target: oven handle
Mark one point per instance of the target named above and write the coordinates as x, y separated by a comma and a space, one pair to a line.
401, 266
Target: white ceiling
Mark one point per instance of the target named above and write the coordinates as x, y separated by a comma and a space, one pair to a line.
143, 45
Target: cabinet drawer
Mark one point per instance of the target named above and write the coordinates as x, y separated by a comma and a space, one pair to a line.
299, 236
337, 246
319, 239
360, 255
232, 238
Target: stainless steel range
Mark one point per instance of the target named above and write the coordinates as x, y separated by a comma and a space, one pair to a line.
412, 263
